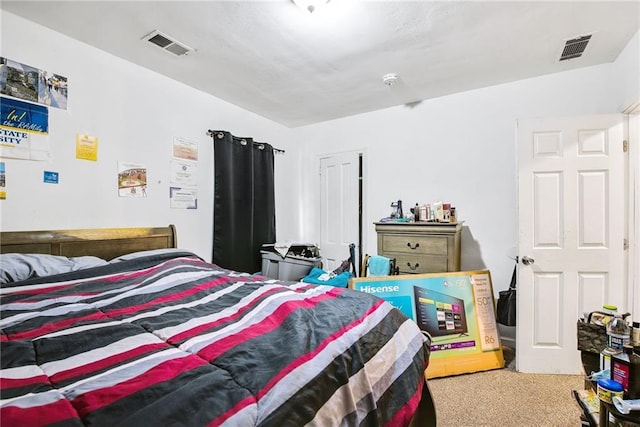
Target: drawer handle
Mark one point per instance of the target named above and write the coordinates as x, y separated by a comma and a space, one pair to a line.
413, 247
413, 268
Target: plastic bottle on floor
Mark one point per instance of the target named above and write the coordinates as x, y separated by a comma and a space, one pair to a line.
625, 369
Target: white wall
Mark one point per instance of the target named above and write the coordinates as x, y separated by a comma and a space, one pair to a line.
461, 149
625, 77
135, 113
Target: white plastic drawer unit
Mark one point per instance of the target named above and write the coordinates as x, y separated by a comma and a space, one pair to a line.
291, 268
421, 247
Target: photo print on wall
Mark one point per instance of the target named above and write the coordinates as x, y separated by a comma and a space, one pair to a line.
31, 84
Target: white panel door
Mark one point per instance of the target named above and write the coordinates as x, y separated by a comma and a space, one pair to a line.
571, 201
339, 206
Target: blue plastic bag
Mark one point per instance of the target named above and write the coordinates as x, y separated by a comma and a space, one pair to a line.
316, 275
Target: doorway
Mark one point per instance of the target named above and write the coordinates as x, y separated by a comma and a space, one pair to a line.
341, 207
572, 181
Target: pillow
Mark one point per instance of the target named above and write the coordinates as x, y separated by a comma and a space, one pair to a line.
151, 252
17, 267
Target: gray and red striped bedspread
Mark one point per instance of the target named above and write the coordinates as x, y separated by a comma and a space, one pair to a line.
178, 341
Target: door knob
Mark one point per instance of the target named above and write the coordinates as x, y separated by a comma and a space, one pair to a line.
527, 261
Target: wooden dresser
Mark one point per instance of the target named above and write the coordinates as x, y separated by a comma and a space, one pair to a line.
421, 247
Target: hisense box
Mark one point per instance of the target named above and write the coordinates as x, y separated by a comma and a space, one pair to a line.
456, 309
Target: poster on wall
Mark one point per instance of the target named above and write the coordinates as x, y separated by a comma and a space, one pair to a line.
184, 173
132, 180
183, 193
50, 177
185, 149
3, 181
456, 309
31, 84
24, 129
183, 198
87, 147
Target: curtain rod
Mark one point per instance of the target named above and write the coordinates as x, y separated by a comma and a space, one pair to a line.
276, 150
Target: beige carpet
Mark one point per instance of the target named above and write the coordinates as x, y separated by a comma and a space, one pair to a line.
503, 397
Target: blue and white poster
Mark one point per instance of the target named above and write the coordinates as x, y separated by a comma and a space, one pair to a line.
24, 116
24, 129
51, 177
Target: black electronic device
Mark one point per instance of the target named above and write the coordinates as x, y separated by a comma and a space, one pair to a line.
438, 313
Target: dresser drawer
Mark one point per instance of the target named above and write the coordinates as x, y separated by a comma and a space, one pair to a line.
415, 264
421, 248
414, 244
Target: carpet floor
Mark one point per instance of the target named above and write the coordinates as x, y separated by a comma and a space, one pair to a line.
504, 397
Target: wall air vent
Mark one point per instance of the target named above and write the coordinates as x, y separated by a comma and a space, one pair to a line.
574, 48
166, 43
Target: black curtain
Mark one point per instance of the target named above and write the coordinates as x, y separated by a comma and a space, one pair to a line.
244, 202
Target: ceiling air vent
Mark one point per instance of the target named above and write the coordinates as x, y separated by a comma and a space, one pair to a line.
575, 47
166, 43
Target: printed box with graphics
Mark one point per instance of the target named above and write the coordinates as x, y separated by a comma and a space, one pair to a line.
458, 311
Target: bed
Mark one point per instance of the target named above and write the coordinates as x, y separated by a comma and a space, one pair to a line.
119, 327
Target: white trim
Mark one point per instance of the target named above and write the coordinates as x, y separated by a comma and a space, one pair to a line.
633, 288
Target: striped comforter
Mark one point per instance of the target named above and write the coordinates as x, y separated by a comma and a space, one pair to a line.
172, 340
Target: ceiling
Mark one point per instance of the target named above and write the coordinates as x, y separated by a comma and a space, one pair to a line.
297, 68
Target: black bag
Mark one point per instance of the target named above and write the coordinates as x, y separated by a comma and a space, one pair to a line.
506, 309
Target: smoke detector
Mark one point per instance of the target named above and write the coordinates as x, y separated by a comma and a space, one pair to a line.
167, 44
390, 79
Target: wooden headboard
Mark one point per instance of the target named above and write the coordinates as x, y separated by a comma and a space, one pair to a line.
106, 243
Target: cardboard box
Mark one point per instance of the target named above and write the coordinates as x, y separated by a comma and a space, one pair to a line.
457, 309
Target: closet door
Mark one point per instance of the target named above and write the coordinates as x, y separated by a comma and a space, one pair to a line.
339, 207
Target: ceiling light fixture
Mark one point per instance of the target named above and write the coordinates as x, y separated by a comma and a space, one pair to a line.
310, 5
